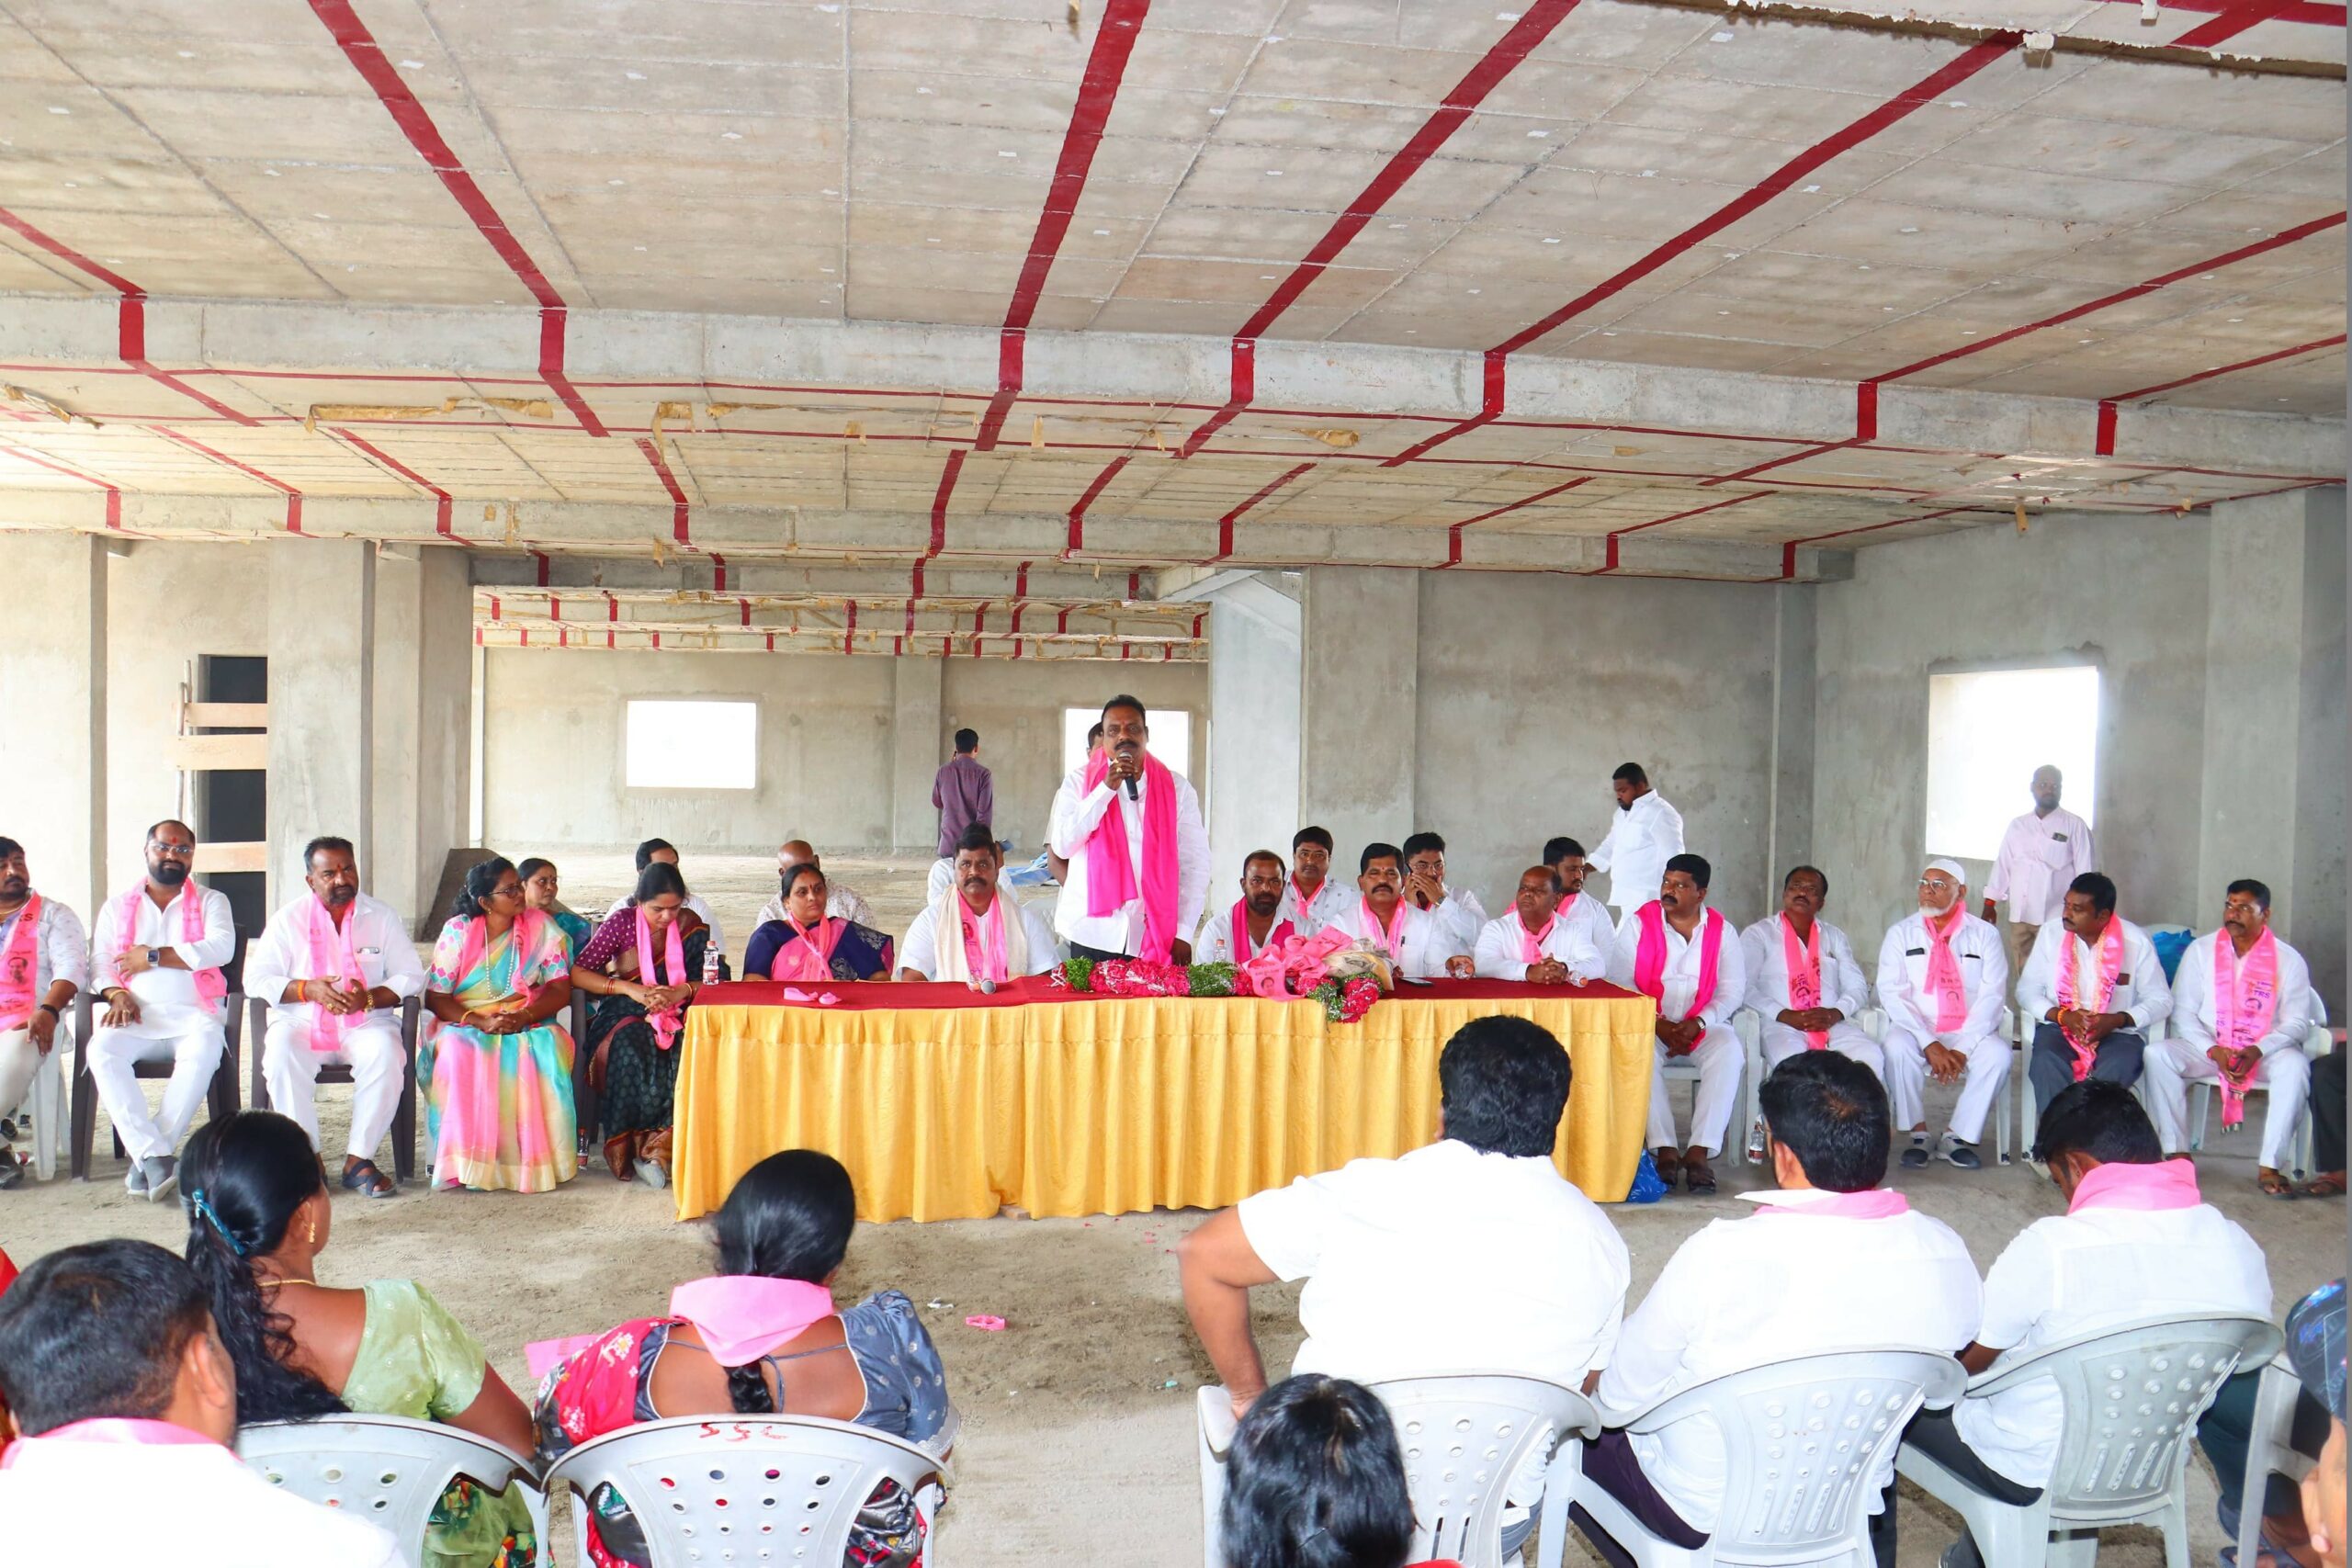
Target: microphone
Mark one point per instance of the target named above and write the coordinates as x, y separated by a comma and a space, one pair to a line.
1127, 753
1131, 791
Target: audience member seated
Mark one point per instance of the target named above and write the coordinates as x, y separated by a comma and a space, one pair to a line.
1312, 900
1001, 940
843, 902
125, 1404
1457, 909
1686, 957
2136, 1241
1830, 1262
1534, 943
2327, 1105
44, 964
541, 889
1579, 907
2095, 988
2226, 1433
807, 944
1419, 945
334, 966
155, 960
643, 967
2241, 1002
1316, 1479
659, 852
782, 1234
1254, 921
494, 1061
1943, 978
2316, 1350
258, 1217
1803, 980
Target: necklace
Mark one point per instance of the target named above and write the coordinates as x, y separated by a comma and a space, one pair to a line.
273, 1284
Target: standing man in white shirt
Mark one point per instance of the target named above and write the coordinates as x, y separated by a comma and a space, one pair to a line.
1533, 942
1645, 835
1312, 900
1803, 980
1130, 827
2136, 1241
988, 936
155, 958
1685, 956
1254, 921
1579, 907
44, 962
1419, 945
1425, 888
662, 851
2241, 1003
2040, 853
334, 966
2096, 988
1942, 979
1829, 1262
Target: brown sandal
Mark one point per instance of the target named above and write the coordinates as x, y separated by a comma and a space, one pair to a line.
620, 1152
1698, 1175
1670, 1166
2326, 1184
2273, 1185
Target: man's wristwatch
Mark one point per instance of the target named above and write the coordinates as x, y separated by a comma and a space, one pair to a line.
154, 957
50, 1009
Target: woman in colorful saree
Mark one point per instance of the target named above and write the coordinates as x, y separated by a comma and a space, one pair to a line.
639, 1021
808, 944
498, 1064
762, 1337
542, 890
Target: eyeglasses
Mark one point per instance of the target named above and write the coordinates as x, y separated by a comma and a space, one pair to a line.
1937, 885
169, 850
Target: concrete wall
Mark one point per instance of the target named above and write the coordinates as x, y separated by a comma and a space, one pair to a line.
54, 755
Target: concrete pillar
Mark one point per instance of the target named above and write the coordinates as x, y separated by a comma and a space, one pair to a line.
1791, 826
322, 700
53, 747
1359, 696
1253, 757
421, 723
917, 749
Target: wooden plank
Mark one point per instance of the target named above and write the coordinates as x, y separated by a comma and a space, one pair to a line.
225, 716
208, 753
232, 857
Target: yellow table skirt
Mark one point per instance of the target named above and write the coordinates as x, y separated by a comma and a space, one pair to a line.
1117, 1105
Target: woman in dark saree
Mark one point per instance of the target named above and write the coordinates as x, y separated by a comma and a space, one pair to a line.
808, 945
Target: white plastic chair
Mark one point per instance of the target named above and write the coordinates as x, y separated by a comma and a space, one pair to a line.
2269, 1453
2132, 1399
748, 1488
1463, 1438
2317, 1042
386, 1469
1802, 1444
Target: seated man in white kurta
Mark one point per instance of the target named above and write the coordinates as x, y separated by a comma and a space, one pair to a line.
1419, 945
990, 937
44, 962
1579, 907
1802, 979
1313, 900
1535, 943
1941, 977
1254, 921
1684, 956
2241, 1004
1427, 889
334, 966
2095, 990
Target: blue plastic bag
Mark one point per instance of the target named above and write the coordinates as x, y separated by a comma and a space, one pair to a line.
1648, 1186
2169, 946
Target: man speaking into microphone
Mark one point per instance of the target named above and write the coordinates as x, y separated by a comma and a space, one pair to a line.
1139, 854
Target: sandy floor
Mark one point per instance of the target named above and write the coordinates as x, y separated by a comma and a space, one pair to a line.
1071, 1424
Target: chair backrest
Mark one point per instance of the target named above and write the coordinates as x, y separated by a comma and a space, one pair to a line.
745, 1489
1465, 1437
385, 1469
2132, 1399
1802, 1445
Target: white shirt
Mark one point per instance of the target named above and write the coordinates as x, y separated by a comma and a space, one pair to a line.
1500, 950
2038, 857
919, 950
281, 954
1679, 980
1077, 809
1844, 985
841, 902
1311, 915
1427, 943
2100, 1267
1902, 988
181, 1505
1756, 1292
1463, 915
1444, 1260
166, 998
718, 941
1215, 943
1582, 908
1641, 838
2197, 1020
59, 951
2140, 988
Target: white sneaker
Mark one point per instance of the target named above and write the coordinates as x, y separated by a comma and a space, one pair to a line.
162, 1177
651, 1174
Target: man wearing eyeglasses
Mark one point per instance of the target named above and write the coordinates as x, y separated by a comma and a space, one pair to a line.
156, 959
1943, 979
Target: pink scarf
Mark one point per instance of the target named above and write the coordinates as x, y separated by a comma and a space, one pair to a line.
1111, 883
1649, 955
673, 966
331, 958
805, 959
2246, 1004
210, 984
1943, 970
120, 1430
21, 966
1392, 937
1872, 1203
742, 1317
1530, 944
1243, 949
1804, 976
523, 938
984, 946
2071, 992
2166, 1184
1299, 901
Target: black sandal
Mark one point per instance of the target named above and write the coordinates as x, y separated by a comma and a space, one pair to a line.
1698, 1176
367, 1179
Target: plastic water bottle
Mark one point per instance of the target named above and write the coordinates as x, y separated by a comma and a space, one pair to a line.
711, 965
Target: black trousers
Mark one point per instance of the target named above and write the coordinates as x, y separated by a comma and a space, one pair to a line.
1933, 1433
2327, 1111
1611, 1463
2051, 1066
1079, 950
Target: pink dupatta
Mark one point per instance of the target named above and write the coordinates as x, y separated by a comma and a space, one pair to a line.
2101, 991
805, 959
1530, 944
1944, 982
2166, 1184
1391, 937
21, 966
2246, 1004
211, 987
331, 958
1110, 880
1804, 959
1872, 1203
120, 1431
984, 944
1243, 949
1649, 955
674, 965
742, 1316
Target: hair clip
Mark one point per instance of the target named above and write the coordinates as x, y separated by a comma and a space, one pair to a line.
196, 1201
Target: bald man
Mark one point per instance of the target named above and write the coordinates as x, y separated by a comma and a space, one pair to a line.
1943, 979
841, 900
2041, 852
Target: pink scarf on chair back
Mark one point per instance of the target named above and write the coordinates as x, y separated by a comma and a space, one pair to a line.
1804, 959
21, 966
1944, 982
1243, 951
211, 987
2071, 992
674, 973
811, 958
2246, 1004
1649, 955
1110, 880
331, 958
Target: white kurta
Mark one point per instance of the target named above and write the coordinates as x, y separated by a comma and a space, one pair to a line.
2140, 988
1501, 951
372, 1044
1427, 943
172, 1025
1910, 1006
2038, 857
919, 951
1462, 915
1641, 838
1599, 926
1312, 914
1718, 1054
1214, 943
1844, 985
59, 952
1076, 811
2284, 1071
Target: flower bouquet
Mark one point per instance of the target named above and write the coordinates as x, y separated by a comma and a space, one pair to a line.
1326, 968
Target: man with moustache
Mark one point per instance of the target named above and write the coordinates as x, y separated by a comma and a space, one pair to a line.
1647, 832
1579, 907
2096, 992
43, 963
334, 966
1534, 943
1419, 945
157, 959
1130, 829
1942, 978
1256, 922
1312, 900
989, 936
1802, 979
1687, 958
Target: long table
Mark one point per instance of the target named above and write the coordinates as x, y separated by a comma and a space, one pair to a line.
948, 1104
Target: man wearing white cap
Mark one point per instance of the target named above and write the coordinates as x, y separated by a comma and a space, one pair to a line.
1942, 978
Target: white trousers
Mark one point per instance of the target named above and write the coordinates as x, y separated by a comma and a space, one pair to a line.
19, 1059
372, 1048
1906, 1071
194, 1054
2171, 1066
1846, 1037
1719, 1058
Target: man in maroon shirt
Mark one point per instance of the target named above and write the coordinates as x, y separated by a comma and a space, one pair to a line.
964, 792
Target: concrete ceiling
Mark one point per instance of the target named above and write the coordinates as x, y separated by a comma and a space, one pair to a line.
1524, 284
